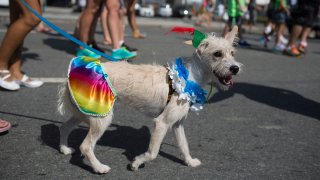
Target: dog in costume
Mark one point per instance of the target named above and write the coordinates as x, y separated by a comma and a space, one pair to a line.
165, 93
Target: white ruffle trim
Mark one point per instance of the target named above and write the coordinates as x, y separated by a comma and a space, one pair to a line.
179, 84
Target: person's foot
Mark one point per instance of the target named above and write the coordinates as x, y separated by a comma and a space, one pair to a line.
6, 82
43, 30
131, 49
4, 126
88, 53
244, 44
123, 54
302, 49
279, 48
292, 51
138, 35
107, 42
28, 82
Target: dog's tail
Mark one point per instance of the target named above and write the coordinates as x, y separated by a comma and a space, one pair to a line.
61, 98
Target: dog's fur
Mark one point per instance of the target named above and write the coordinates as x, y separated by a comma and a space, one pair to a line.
146, 88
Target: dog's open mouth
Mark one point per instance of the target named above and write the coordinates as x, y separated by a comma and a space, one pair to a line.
225, 80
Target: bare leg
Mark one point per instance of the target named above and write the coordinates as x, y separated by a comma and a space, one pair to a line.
121, 24
22, 21
280, 30
96, 130
132, 18
106, 34
296, 30
183, 145
65, 130
87, 19
305, 33
113, 22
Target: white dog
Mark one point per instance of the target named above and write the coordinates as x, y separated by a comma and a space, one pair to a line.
148, 88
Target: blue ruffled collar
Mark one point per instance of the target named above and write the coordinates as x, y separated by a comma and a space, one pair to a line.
186, 88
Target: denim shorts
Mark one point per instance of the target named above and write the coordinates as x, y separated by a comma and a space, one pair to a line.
279, 17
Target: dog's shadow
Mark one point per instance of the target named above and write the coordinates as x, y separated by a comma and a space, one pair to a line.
133, 141
276, 97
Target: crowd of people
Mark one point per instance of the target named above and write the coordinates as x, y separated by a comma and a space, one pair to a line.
300, 14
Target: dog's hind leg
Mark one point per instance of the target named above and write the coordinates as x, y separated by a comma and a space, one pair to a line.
65, 130
96, 130
183, 145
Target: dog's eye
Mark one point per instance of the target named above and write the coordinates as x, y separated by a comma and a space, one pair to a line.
232, 53
218, 54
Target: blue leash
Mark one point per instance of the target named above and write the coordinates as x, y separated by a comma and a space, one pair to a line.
66, 35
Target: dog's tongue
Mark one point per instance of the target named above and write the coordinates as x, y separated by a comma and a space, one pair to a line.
228, 80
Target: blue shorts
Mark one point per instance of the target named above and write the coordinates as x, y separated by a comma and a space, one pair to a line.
279, 17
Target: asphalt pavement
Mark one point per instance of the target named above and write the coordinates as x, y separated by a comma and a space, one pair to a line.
265, 127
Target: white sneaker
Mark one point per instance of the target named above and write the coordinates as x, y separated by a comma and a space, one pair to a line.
26, 81
8, 85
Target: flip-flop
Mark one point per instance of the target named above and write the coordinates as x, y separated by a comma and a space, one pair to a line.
4, 126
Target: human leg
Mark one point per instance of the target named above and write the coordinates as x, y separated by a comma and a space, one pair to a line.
291, 49
103, 18
113, 25
304, 36
87, 18
132, 19
22, 22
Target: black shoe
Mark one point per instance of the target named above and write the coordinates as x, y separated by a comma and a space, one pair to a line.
131, 49
96, 47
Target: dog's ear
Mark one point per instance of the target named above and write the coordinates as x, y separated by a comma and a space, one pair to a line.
202, 47
231, 36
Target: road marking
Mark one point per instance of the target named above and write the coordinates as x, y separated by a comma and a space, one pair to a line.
51, 79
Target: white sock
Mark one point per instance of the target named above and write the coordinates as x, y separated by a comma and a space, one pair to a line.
268, 29
304, 43
113, 50
121, 42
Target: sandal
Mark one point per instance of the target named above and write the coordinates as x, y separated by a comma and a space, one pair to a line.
8, 85
4, 126
27, 82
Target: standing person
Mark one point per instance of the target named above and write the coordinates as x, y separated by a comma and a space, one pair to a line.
236, 9
22, 21
303, 18
279, 18
87, 21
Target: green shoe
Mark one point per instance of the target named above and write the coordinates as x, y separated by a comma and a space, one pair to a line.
123, 53
87, 52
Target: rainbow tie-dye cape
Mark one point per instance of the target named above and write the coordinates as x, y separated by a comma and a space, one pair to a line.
90, 87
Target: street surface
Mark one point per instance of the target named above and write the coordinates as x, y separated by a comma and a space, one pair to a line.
266, 127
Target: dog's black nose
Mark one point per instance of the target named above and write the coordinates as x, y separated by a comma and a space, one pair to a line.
234, 69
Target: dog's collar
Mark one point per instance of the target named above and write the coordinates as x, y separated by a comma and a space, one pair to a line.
186, 88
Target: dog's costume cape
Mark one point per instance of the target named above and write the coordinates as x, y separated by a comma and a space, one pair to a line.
186, 88
90, 87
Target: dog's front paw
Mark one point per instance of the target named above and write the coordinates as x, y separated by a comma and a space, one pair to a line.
193, 162
101, 169
66, 150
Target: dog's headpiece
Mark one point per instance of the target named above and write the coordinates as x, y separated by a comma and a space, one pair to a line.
198, 37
